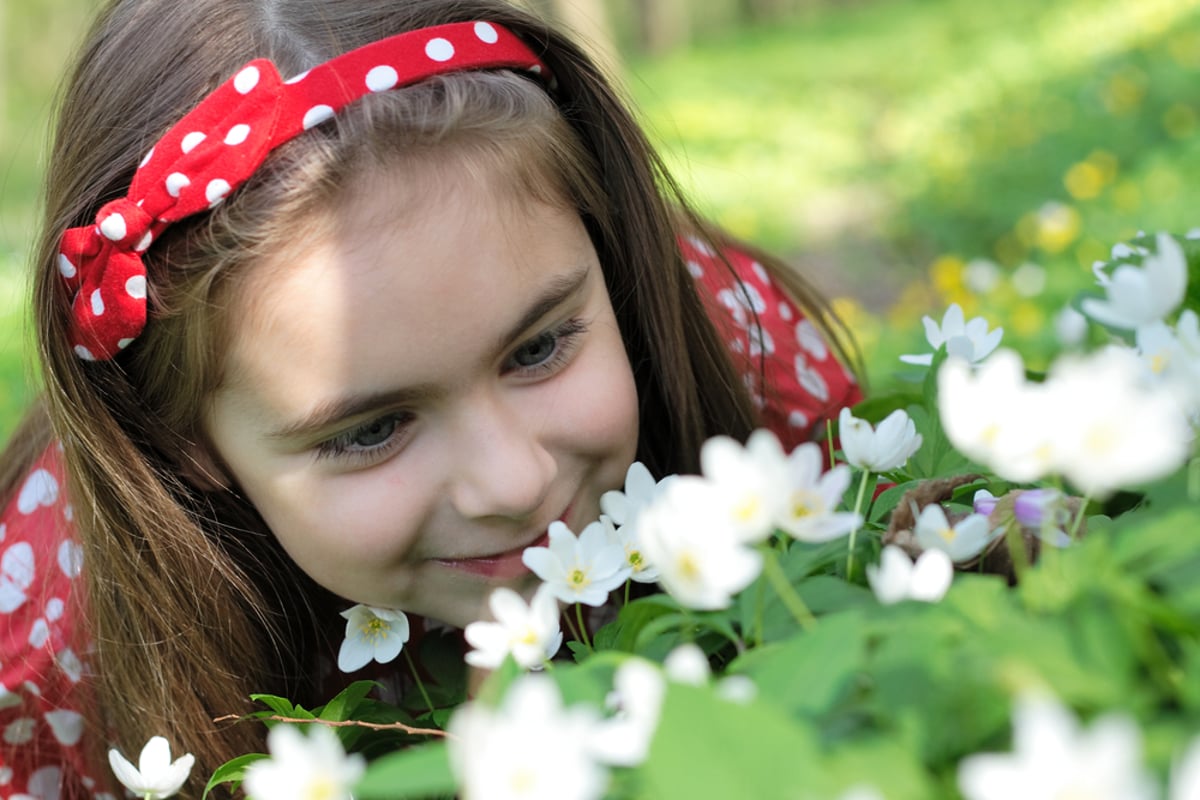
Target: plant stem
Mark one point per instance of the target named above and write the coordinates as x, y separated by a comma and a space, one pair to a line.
787, 593
416, 677
627, 582
862, 490
1083, 504
583, 634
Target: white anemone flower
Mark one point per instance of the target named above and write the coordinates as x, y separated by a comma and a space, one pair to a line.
372, 633
1112, 431
622, 507
1137, 296
529, 748
970, 340
530, 632
581, 569
701, 563
315, 765
688, 665
1053, 758
748, 483
1185, 775
637, 696
156, 776
896, 577
961, 541
993, 416
881, 449
810, 513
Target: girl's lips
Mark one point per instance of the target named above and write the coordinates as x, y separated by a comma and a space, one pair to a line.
499, 566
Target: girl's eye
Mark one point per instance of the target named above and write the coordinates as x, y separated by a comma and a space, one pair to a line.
547, 351
535, 352
368, 440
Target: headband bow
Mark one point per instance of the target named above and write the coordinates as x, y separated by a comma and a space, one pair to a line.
220, 143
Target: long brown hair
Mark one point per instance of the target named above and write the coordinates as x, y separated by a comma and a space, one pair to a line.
190, 602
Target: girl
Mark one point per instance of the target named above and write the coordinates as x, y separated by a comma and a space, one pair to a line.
352, 322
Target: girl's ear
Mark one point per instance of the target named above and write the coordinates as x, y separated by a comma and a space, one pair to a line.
202, 469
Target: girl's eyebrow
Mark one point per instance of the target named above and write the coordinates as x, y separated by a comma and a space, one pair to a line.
557, 291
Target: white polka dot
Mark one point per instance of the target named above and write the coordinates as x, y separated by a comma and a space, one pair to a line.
70, 558
6, 775
798, 419
785, 311
68, 509
65, 267
381, 78
97, 303
246, 80
695, 269
84, 353
46, 782
216, 190
135, 287
237, 134
54, 608
16, 575
809, 338
3, 531
297, 78
486, 33
146, 160
761, 273
439, 49
39, 632
39, 489
191, 140
70, 664
8, 698
19, 731
67, 726
123, 343
113, 227
176, 183
810, 380
316, 115
537, 70
144, 243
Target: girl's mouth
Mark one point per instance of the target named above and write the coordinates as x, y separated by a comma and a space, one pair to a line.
499, 566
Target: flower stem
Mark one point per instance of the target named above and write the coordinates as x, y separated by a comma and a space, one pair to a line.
583, 634
862, 490
787, 593
412, 667
1083, 504
627, 582
1193, 482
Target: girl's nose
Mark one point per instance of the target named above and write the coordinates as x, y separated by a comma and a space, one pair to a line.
504, 469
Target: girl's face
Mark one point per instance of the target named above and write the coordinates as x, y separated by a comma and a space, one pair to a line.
411, 399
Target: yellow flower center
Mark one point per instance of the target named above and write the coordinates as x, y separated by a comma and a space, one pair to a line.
688, 568
634, 557
376, 629
578, 578
321, 788
748, 509
948, 534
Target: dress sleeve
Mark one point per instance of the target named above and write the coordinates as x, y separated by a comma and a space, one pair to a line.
42, 660
792, 373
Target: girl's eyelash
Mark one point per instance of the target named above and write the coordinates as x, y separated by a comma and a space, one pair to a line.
343, 445
566, 339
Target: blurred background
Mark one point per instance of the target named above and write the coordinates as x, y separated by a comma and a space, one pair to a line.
903, 154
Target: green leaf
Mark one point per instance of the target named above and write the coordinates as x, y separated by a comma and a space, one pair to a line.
344, 705
282, 707
811, 671
232, 771
709, 747
415, 772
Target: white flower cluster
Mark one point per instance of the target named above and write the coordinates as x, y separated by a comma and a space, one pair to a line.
1054, 757
1094, 420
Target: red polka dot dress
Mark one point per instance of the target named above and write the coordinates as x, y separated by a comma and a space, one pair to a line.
43, 663
792, 374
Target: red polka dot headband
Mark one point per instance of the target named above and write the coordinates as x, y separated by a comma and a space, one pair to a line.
220, 143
